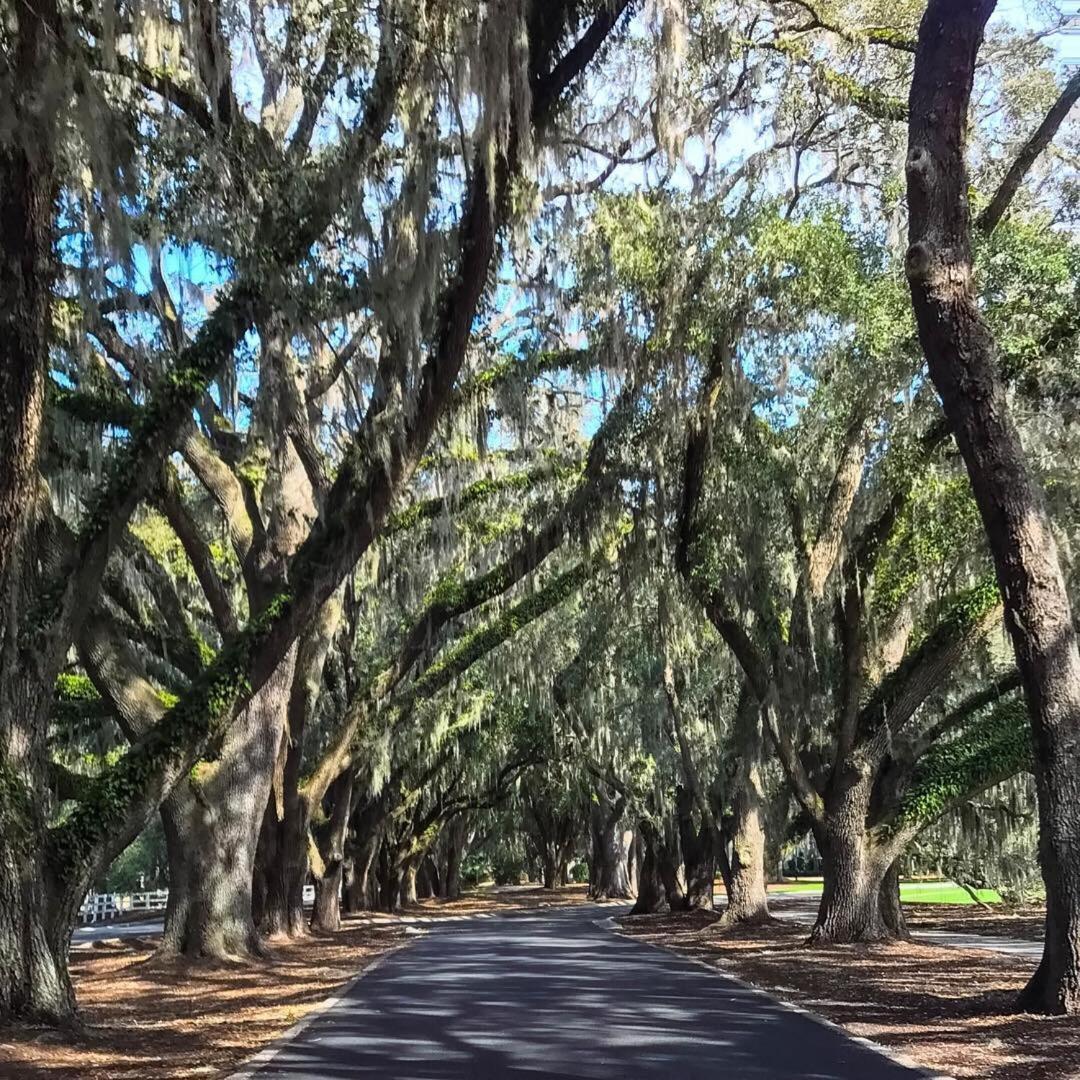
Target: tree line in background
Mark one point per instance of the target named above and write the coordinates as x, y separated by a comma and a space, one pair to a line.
439, 438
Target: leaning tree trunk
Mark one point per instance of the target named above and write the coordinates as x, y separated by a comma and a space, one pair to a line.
960, 353
220, 834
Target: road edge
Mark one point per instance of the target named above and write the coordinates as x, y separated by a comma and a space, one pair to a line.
261, 1058
789, 1006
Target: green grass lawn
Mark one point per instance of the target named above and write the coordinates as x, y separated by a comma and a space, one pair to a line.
911, 892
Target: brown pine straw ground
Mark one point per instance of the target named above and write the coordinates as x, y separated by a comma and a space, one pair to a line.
150, 1020
945, 1008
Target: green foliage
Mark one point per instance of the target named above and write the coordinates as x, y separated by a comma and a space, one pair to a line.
938, 528
142, 865
989, 750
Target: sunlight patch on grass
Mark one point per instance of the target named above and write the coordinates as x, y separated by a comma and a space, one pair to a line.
911, 892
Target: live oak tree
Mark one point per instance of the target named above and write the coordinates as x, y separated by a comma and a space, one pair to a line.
377, 461
960, 351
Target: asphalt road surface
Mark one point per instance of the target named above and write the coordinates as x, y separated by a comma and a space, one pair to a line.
108, 931
551, 994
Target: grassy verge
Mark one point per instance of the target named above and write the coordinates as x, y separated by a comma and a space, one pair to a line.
911, 892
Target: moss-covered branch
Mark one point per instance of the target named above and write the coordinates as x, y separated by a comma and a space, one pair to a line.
479, 642
901, 692
95, 406
843, 89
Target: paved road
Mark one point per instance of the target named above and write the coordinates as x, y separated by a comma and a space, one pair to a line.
552, 995
85, 935
802, 907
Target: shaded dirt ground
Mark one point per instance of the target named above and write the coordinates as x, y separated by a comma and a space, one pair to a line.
942, 1007
149, 1020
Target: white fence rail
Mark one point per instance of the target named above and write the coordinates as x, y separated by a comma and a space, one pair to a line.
102, 906
99, 906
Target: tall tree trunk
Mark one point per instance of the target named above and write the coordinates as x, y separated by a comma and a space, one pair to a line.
363, 892
698, 845
283, 858
747, 895
27, 264
34, 982
609, 852
550, 867
652, 895
456, 836
390, 879
220, 833
327, 912
960, 352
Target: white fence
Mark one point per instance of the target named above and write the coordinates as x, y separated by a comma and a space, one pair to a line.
100, 906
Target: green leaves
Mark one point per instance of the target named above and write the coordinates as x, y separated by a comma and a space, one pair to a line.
990, 749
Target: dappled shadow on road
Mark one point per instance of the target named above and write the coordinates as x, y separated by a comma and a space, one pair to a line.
947, 1007
553, 996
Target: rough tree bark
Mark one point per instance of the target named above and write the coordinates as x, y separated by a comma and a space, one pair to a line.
213, 915
892, 910
33, 970
610, 878
327, 911
282, 861
854, 868
747, 897
652, 895
960, 352
699, 843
